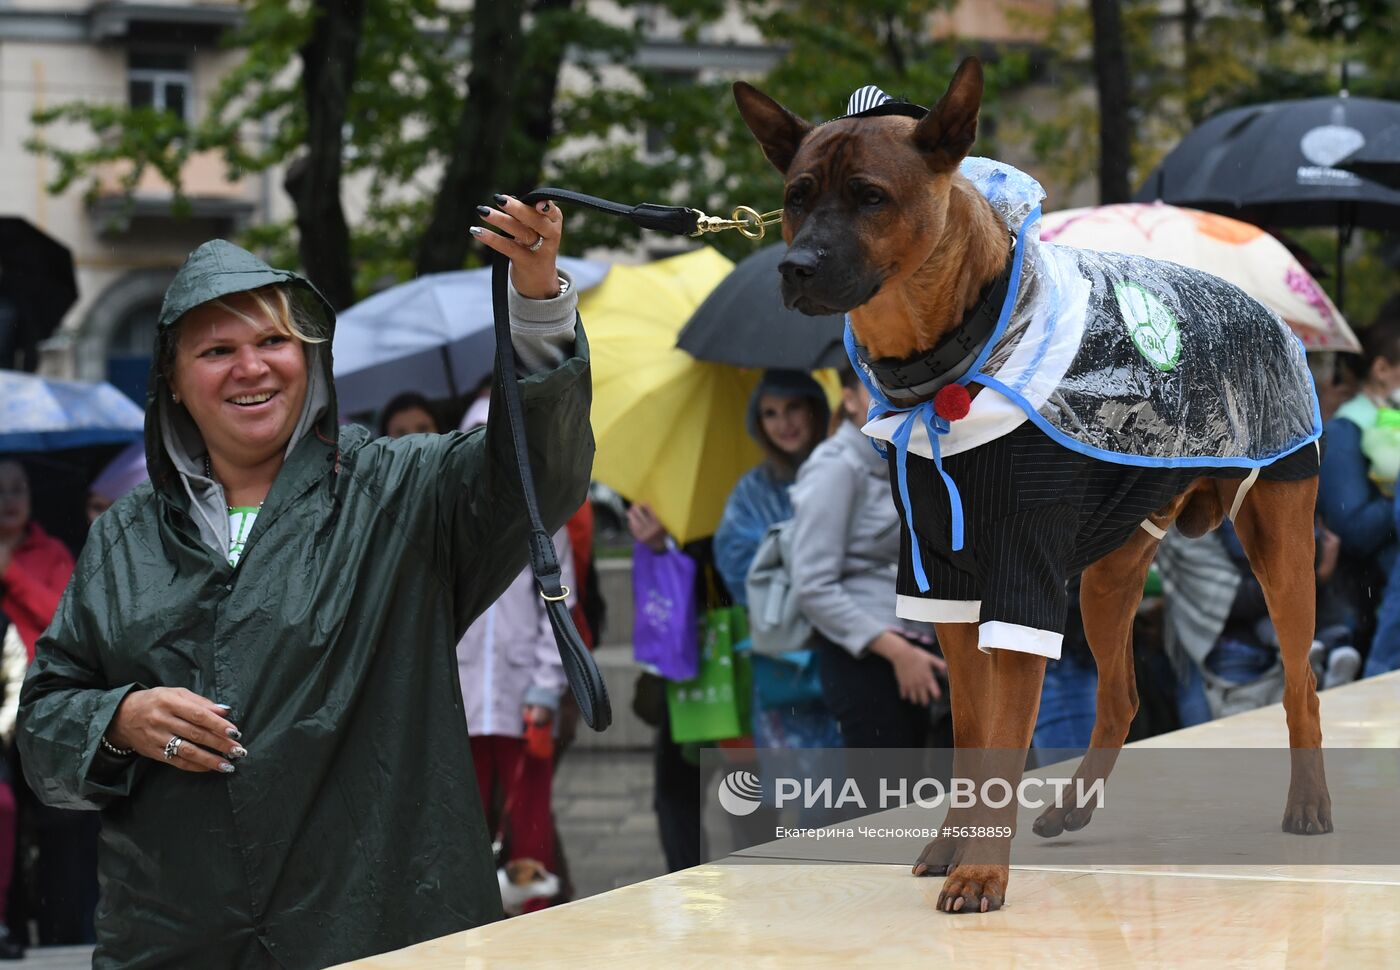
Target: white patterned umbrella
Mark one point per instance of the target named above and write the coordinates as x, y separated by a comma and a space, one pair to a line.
40, 414
1235, 251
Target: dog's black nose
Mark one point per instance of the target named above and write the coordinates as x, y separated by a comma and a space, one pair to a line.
799, 265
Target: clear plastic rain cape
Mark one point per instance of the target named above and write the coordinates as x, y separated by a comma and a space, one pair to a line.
1123, 358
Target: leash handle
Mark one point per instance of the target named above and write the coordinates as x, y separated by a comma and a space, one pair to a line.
675, 219
585, 680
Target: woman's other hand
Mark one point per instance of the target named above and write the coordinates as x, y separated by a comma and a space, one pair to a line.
913, 667
533, 269
646, 528
147, 720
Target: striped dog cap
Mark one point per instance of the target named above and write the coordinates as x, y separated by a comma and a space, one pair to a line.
871, 102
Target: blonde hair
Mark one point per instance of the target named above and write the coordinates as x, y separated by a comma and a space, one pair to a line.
285, 308
289, 318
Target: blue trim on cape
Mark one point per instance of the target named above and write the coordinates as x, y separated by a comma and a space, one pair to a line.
1145, 461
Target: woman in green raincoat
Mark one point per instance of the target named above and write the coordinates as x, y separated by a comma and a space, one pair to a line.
252, 674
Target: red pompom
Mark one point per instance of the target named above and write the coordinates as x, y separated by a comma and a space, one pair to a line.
952, 402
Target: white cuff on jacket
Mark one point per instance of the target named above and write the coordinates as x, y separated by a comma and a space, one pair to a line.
928, 610
996, 635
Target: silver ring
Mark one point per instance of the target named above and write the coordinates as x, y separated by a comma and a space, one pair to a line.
534, 247
172, 747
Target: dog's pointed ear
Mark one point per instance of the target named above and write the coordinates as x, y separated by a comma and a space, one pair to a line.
777, 129
945, 135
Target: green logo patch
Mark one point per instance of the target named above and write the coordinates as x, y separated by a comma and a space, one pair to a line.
1152, 326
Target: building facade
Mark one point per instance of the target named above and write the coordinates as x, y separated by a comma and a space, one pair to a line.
166, 54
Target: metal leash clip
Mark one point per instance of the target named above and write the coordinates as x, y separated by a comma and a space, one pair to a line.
749, 221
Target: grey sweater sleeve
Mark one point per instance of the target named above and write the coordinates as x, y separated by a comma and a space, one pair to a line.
542, 331
823, 502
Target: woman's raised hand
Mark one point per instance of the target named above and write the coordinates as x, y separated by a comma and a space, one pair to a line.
532, 245
149, 721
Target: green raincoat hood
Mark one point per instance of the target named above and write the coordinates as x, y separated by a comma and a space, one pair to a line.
175, 449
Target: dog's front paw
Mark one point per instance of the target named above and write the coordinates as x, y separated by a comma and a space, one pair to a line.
1308, 810
938, 857
974, 889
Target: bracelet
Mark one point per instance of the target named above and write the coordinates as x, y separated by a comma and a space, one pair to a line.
111, 748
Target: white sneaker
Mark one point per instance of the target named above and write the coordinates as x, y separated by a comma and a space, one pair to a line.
1343, 664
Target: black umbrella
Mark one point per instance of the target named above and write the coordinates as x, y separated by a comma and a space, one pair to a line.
1378, 159
38, 284
743, 322
1276, 164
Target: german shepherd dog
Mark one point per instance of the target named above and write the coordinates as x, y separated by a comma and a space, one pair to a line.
881, 225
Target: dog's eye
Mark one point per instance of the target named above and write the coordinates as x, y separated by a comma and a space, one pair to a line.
871, 197
797, 198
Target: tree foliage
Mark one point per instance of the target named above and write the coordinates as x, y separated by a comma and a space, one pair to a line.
447, 104
1193, 59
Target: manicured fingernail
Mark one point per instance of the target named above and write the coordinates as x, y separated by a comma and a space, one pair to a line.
226, 768
475, 230
501, 199
234, 733
224, 706
483, 211
238, 751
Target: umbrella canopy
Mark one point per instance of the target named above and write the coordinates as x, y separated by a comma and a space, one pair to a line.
122, 473
669, 428
1378, 159
38, 414
36, 274
1276, 164
744, 322
1236, 251
432, 335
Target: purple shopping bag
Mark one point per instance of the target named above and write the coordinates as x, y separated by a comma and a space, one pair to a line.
665, 636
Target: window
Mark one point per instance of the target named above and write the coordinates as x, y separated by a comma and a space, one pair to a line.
159, 80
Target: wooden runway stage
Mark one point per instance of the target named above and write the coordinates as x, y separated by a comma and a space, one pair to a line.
754, 912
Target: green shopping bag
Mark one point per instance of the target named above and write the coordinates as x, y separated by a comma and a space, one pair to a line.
715, 704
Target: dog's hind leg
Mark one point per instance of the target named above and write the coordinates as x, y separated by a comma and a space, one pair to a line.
1275, 527
1109, 593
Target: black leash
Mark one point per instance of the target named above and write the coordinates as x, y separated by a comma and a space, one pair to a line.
585, 680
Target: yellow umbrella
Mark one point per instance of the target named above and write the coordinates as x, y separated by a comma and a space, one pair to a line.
670, 428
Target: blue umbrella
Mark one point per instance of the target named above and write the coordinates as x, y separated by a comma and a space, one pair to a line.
431, 335
39, 414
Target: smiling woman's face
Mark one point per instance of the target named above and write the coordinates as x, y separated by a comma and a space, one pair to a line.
243, 382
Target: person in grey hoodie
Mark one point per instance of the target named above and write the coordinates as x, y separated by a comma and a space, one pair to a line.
879, 673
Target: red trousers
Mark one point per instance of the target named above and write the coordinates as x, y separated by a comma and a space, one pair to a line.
524, 786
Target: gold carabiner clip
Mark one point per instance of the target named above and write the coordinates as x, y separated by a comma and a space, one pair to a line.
751, 223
